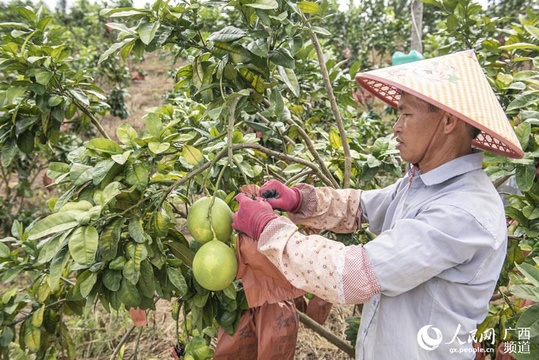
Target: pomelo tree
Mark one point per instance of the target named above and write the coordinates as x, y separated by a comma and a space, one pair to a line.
264, 92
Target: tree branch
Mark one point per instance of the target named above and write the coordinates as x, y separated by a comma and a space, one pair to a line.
333, 103
328, 335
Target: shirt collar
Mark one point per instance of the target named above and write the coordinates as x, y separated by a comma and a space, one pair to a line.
450, 169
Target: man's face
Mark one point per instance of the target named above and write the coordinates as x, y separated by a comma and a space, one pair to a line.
415, 128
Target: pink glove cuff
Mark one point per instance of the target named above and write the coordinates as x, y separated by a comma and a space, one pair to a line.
299, 197
259, 223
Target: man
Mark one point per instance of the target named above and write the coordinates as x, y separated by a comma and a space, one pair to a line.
427, 278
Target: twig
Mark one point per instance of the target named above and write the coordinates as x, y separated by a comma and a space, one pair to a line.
332, 338
315, 153
333, 103
258, 147
312, 150
122, 342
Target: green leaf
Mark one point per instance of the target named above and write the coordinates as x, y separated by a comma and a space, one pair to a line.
227, 34
523, 132
282, 57
530, 272
42, 76
529, 319
136, 231
525, 176
157, 147
51, 247
80, 174
79, 96
31, 336
230, 291
102, 198
108, 246
523, 101
112, 280
57, 267
114, 48
87, 285
124, 12
129, 294
289, 78
181, 251
27, 13
6, 336
13, 93
146, 284
4, 250
52, 224
101, 170
127, 135
83, 244
532, 30
192, 155
264, 4
131, 271
321, 31
309, 7
147, 32
8, 152
154, 125
237, 53
104, 145
176, 278
293, 169
57, 169
37, 317
520, 46
138, 176
335, 138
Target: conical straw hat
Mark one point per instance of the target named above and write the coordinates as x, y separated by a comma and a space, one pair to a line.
454, 83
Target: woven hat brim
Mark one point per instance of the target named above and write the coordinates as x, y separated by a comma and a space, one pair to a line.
502, 142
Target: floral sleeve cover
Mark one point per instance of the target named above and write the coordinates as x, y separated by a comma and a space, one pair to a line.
326, 208
326, 268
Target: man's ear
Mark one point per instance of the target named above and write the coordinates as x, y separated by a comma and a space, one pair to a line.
451, 122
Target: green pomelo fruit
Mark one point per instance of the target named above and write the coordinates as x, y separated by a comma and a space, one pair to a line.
200, 226
215, 265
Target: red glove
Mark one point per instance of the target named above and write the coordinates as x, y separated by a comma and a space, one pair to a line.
252, 216
280, 196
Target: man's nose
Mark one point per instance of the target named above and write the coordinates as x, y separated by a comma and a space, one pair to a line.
398, 125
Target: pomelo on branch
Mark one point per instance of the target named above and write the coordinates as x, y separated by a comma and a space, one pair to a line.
215, 265
205, 226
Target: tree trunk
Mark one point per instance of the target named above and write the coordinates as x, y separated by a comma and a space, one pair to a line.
417, 26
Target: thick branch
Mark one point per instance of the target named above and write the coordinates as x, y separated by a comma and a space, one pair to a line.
328, 335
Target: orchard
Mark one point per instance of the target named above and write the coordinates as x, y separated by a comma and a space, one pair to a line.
261, 89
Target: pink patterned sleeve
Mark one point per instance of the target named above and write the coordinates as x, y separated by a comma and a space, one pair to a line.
326, 208
326, 268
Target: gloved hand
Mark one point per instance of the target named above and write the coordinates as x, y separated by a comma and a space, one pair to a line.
280, 196
252, 215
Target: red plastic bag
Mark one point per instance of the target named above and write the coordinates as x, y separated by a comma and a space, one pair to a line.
266, 332
262, 281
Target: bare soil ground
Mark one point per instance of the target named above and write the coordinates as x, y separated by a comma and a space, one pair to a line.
157, 338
